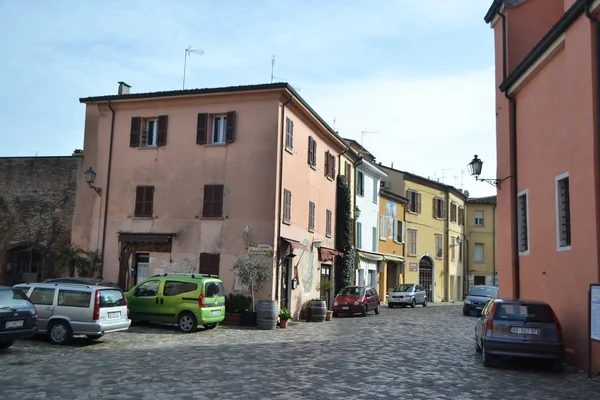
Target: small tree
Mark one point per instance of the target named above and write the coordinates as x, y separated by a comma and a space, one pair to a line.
253, 270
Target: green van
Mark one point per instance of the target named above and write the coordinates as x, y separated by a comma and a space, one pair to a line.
187, 300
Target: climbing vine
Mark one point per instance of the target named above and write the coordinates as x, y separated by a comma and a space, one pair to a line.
343, 233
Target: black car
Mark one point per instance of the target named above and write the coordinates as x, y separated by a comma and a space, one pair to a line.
81, 281
18, 318
477, 297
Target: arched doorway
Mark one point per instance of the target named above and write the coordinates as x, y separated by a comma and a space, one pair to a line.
27, 264
426, 276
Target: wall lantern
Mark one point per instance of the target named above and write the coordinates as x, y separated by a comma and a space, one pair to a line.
475, 167
356, 212
90, 178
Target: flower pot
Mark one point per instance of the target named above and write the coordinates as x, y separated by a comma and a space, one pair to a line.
284, 323
234, 319
329, 316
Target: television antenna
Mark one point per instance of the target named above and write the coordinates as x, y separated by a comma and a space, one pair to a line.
188, 52
273, 77
362, 136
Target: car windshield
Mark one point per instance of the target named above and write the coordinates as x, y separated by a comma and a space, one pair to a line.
403, 288
524, 312
11, 298
352, 291
484, 291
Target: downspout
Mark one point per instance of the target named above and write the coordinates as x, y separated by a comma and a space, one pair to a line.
446, 247
107, 190
404, 246
494, 247
513, 156
280, 195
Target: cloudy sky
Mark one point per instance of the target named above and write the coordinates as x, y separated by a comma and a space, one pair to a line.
419, 73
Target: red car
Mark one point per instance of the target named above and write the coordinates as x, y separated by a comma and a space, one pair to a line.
356, 300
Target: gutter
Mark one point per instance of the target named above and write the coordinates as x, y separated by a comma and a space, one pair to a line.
494, 246
107, 191
446, 247
280, 195
404, 246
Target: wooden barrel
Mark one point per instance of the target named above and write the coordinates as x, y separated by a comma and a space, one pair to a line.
318, 310
266, 315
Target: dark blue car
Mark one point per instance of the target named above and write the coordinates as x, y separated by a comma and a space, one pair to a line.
18, 318
477, 297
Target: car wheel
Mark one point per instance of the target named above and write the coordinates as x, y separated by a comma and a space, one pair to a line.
486, 357
413, 303
94, 337
60, 332
6, 345
465, 313
377, 309
425, 302
557, 366
477, 346
211, 326
187, 322
390, 305
365, 311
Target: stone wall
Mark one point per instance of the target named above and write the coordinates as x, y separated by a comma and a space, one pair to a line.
37, 203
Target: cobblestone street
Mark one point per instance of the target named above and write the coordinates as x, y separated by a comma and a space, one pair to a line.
425, 353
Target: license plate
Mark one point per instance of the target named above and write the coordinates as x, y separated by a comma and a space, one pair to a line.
215, 313
114, 314
345, 308
524, 331
14, 324
478, 308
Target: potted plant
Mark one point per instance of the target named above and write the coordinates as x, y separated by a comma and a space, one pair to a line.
253, 270
284, 317
305, 310
235, 306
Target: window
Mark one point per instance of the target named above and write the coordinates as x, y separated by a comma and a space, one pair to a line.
289, 134
42, 296
478, 280
328, 223
329, 165
412, 242
439, 208
14, 298
210, 263
479, 214
461, 216
460, 251
358, 235
523, 215
402, 233
311, 216
213, 201
374, 239
398, 233
439, 250
453, 248
479, 255
375, 191
383, 225
312, 152
74, 298
174, 288
148, 132
111, 298
287, 206
563, 212
144, 201
360, 183
414, 201
348, 173
214, 288
222, 128
453, 212
147, 289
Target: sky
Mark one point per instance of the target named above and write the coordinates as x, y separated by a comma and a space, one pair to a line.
416, 75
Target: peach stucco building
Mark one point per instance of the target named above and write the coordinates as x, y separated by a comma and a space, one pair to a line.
548, 205
191, 179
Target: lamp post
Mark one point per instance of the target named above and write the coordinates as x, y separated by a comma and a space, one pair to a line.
475, 167
90, 178
356, 212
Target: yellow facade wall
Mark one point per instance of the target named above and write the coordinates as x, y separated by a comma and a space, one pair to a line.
455, 253
482, 267
391, 240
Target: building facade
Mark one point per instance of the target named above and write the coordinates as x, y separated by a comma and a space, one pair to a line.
481, 242
547, 75
392, 239
193, 179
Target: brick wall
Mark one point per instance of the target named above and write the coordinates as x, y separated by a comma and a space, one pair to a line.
37, 202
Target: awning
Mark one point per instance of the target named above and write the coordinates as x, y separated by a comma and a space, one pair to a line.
390, 257
294, 244
145, 237
327, 254
369, 256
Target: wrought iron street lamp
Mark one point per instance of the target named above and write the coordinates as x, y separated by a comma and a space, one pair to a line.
90, 178
475, 167
356, 212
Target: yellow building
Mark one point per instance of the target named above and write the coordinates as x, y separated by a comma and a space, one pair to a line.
392, 236
455, 241
481, 241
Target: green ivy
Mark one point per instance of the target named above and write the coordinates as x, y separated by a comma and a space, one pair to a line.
343, 234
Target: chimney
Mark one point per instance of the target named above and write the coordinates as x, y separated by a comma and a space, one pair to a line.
123, 88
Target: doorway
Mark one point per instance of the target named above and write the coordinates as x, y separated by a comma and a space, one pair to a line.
141, 264
27, 264
426, 276
285, 275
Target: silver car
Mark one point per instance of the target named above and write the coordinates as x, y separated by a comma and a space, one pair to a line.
65, 310
407, 294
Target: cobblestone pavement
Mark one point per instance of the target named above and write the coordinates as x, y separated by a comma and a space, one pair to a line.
421, 353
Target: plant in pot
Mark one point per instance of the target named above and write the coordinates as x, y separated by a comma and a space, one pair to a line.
325, 287
284, 317
235, 306
305, 310
253, 270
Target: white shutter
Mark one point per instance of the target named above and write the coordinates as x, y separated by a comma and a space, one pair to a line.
382, 227
403, 233
395, 234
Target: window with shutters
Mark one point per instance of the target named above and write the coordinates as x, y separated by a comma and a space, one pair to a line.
210, 263
148, 132
439, 208
289, 134
453, 248
358, 235
461, 216
414, 201
453, 212
523, 221
479, 217
412, 242
215, 129
563, 212
287, 207
328, 223
219, 128
360, 183
479, 253
148, 137
401, 231
375, 191
383, 227
374, 239
144, 201
439, 242
311, 216
348, 173
312, 152
213, 201
329, 165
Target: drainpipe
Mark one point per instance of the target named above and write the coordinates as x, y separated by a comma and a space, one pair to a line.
404, 246
107, 190
446, 247
280, 211
513, 155
494, 246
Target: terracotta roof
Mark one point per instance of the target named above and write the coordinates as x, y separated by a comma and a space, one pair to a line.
426, 181
482, 200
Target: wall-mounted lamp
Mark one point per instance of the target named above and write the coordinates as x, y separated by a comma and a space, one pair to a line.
475, 170
316, 244
90, 178
356, 212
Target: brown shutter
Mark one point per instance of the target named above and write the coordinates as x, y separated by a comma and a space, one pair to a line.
207, 208
310, 150
149, 199
444, 215
314, 153
332, 166
418, 203
201, 128
136, 127
434, 207
230, 130
218, 200
161, 137
409, 197
327, 160
139, 201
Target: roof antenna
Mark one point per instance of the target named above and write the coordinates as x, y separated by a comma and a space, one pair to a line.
362, 138
188, 52
334, 123
273, 77
272, 66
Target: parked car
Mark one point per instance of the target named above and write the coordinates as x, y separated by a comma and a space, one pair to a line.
477, 297
519, 328
82, 281
67, 309
18, 317
183, 299
356, 300
407, 294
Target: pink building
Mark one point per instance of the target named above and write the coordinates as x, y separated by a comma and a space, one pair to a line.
191, 179
547, 71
